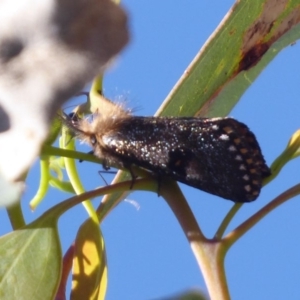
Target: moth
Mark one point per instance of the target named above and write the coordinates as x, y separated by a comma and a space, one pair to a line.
220, 156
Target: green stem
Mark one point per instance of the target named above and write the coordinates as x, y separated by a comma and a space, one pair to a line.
44, 183
75, 180
15, 215
177, 202
54, 151
248, 224
147, 184
208, 253
234, 209
289, 153
210, 256
65, 186
97, 86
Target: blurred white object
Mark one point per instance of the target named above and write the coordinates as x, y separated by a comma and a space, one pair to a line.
48, 51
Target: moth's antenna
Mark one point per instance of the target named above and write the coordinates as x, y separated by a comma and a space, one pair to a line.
71, 121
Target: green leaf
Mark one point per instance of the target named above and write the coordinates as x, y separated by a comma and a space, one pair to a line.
30, 265
30, 262
290, 152
64, 186
247, 39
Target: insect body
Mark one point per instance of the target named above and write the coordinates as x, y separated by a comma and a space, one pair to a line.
220, 156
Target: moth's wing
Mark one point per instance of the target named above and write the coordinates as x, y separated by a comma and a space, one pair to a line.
220, 156
224, 159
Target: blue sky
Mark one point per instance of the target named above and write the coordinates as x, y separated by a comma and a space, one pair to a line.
148, 254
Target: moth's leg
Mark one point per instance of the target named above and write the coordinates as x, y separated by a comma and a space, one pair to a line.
105, 172
105, 164
159, 179
90, 152
99, 172
133, 176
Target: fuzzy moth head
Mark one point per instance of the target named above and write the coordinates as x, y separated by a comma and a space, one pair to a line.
90, 130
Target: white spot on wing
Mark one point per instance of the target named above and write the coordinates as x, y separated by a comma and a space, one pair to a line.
242, 167
246, 177
224, 137
248, 188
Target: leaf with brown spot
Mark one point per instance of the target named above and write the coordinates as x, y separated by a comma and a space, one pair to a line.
276, 19
247, 39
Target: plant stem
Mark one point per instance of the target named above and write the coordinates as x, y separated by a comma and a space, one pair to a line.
44, 183
15, 215
234, 209
75, 179
210, 257
66, 268
208, 253
248, 224
54, 151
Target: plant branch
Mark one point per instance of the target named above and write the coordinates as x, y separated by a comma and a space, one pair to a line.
44, 183
66, 269
55, 151
208, 253
234, 209
15, 215
60, 208
248, 224
75, 179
